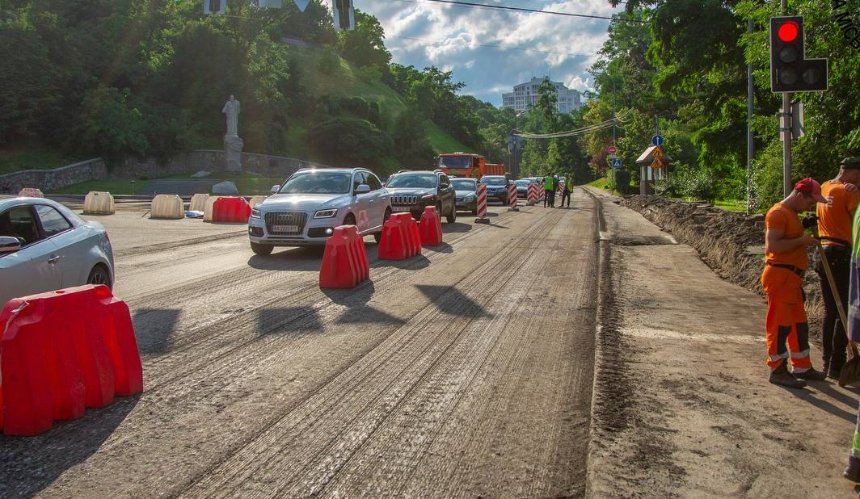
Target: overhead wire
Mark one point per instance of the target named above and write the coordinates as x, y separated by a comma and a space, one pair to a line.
530, 11
618, 118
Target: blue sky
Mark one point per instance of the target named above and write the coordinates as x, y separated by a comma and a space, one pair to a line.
492, 50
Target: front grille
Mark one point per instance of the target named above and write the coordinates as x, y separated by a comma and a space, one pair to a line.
404, 200
296, 219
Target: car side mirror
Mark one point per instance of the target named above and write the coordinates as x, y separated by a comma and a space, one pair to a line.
362, 189
275, 189
9, 244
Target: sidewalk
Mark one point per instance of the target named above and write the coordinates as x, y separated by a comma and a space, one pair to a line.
682, 406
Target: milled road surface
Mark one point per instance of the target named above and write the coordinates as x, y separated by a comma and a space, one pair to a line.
466, 371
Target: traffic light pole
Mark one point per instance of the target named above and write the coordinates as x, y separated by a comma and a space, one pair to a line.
786, 124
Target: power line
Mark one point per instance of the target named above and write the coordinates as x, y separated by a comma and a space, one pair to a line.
530, 11
501, 47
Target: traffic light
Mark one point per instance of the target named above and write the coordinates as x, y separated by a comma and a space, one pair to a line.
790, 70
344, 15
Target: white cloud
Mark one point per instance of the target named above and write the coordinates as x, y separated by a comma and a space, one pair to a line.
492, 50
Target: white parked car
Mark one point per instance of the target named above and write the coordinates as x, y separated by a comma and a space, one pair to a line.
312, 202
45, 246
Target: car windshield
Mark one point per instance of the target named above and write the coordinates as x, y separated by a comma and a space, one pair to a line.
523, 182
463, 185
455, 161
424, 181
494, 180
317, 182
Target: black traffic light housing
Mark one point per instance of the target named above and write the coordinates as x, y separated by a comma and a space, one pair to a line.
790, 70
344, 15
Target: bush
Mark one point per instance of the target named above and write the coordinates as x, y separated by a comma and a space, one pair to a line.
349, 141
618, 180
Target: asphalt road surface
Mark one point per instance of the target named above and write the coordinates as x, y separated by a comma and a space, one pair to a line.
466, 371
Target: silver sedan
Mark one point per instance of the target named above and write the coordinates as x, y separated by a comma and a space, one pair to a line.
45, 246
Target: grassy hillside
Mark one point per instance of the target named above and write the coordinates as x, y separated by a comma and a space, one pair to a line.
443, 142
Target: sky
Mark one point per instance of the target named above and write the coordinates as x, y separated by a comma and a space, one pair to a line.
491, 50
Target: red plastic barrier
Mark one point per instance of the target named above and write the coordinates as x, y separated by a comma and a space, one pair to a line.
400, 238
231, 209
344, 262
430, 227
63, 351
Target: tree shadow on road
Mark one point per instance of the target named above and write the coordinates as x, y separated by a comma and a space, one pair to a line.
30, 464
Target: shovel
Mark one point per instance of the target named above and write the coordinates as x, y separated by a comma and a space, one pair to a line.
850, 373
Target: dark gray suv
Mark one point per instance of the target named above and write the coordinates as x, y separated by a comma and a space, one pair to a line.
412, 191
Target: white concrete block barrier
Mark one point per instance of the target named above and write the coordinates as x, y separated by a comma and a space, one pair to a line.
198, 202
210, 204
99, 203
167, 206
31, 192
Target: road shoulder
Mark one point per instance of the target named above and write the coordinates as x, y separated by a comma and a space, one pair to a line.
682, 406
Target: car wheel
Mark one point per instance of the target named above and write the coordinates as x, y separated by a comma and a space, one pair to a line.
452, 215
378, 236
262, 249
99, 275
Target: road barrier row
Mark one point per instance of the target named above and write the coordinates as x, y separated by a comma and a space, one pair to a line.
231, 209
533, 195
30, 192
344, 262
62, 352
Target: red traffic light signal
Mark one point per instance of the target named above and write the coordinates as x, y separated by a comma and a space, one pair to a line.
790, 70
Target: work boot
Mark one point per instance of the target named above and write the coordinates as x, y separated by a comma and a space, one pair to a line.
834, 372
852, 471
810, 374
781, 376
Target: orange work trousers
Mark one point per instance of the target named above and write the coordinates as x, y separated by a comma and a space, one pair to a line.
786, 324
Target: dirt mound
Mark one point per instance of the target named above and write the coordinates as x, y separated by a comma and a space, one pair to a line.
732, 244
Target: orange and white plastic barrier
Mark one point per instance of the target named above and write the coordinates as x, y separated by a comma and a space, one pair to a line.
512, 197
344, 262
400, 238
430, 227
62, 352
482, 204
99, 203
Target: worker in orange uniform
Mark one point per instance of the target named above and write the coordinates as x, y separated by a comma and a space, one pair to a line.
834, 230
782, 280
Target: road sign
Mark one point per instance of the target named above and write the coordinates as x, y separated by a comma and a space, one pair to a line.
657, 153
657, 140
657, 164
611, 149
616, 163
302, 4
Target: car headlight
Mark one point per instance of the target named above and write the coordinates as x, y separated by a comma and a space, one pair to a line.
326, 213
255, 213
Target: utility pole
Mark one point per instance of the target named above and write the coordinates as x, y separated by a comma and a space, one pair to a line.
785, 125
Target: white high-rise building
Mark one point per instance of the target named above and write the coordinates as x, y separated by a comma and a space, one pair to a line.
525, 95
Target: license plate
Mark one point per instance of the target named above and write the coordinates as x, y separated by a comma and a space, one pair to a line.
401, 208
285, 228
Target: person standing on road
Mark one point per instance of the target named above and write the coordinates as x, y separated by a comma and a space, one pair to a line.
568, 188
548, 192
782, 280
834, 231
852, 471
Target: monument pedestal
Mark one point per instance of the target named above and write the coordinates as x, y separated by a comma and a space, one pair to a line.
233, 152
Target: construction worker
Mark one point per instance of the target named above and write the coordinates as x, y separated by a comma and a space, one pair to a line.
834, 231
852, 471
568, 188
548, 191
782, 280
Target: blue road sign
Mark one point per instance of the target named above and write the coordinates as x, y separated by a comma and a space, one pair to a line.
657, 140
616, 163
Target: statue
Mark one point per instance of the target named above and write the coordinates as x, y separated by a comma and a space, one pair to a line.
231, 109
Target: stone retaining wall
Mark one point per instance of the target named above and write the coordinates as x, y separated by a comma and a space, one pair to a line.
184, 164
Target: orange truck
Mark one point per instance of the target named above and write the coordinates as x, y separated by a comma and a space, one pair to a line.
460, 164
